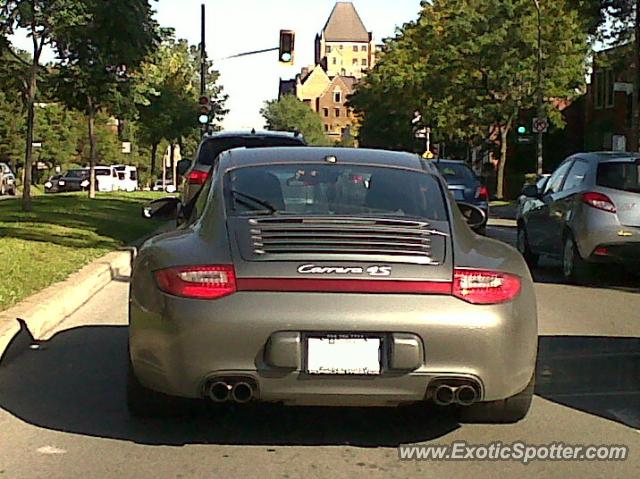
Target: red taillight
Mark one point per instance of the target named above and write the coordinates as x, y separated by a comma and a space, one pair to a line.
601, 251
485, 287
482, 193
599, 201
197, 177
199, 282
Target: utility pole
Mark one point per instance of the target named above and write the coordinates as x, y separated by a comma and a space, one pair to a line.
541, 112
203, 52
203, 60
635, 98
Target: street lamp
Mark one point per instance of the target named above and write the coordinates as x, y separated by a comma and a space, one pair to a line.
541, 112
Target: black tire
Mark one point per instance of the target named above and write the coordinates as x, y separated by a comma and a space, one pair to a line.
522, 243
13, 192
575, 270
504, 411
143, 402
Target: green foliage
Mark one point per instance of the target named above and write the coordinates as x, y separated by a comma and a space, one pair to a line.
60, 131
290, 114
469, 66
12, 129
168, 88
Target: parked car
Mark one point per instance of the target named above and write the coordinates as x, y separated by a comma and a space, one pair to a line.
167, 186
465, 186
51, 185
588, 213
7, 180
363, 294
74, 180
196, 171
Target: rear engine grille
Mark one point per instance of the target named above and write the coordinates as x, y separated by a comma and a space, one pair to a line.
273, 236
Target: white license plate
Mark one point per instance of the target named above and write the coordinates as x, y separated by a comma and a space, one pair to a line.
458, 195
343, 356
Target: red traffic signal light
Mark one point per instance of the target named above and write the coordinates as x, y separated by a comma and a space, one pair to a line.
287, 46
203, 100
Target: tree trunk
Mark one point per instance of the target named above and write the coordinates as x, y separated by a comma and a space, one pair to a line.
173, 164
28, 157
92, 150
504, 133
154, 155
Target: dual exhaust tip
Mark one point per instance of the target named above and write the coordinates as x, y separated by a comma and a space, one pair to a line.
222, 391
464, 395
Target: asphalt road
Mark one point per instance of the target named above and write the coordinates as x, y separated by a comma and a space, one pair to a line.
62, 411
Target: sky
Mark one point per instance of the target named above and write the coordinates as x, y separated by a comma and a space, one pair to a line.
236, 26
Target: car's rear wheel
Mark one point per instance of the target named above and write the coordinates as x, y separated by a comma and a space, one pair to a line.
522, 243
575, 270
504, 411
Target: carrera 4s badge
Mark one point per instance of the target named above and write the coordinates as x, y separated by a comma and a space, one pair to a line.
375, 270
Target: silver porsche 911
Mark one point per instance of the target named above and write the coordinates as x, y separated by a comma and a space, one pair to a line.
333, 277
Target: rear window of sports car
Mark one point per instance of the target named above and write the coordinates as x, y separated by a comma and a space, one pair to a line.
210, 149
346, 190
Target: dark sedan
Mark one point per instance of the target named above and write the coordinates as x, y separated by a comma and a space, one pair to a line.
74, 180
465, 186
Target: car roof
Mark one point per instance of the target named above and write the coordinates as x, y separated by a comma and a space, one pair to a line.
254, 156
252, 133
604, 156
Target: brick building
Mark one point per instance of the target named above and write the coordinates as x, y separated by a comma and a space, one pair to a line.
344, 52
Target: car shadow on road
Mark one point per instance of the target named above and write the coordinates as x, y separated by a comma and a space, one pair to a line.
598, 375
607, 277
76, 383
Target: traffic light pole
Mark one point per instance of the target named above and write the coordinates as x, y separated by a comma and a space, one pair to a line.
203, 53
541, 112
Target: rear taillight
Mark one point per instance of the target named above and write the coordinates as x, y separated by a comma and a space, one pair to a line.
199, 282
599, 201
482, 193
196, 177
485, 287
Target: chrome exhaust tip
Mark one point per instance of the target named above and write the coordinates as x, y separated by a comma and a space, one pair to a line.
444, 395
242, 392
466, 395
219, 391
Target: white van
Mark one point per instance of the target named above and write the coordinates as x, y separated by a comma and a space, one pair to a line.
106, 177
126, 178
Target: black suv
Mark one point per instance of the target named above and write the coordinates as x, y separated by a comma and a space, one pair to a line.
197, 171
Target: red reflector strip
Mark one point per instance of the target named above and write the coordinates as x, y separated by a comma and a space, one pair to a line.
343, 286
197, 177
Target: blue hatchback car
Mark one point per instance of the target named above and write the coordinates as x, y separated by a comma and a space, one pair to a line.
465, 186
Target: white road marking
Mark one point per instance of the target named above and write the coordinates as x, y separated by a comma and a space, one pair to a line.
50, 450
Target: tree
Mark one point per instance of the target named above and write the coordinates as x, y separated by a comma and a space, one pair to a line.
100, 57
168, 92
470, 65
42, 20
290, 114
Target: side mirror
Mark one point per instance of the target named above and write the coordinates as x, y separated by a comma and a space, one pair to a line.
162, 209
531, 191
473, 215
183, 166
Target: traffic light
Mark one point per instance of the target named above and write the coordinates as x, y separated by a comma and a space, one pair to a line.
522, 130
287, 46
204, 110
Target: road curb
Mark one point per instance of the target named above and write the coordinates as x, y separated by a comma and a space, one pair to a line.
39, 314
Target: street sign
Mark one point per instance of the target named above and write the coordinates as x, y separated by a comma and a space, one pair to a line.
126, 147
525, 139
421, 133
540, 125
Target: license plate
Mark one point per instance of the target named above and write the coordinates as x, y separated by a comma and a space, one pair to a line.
458, 195
343, 356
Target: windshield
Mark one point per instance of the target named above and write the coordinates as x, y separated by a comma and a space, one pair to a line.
76, 173
103, 172
620, 175
212, 148
312, 189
